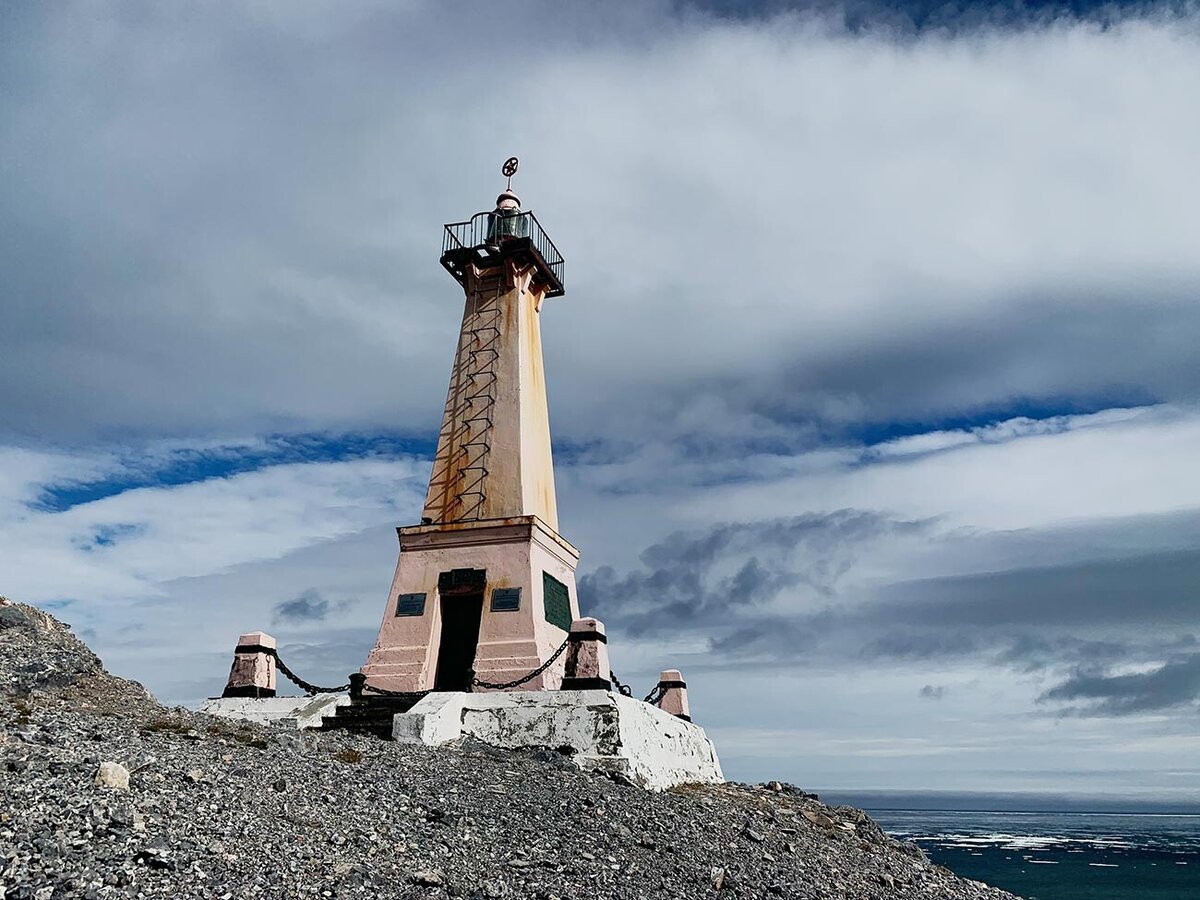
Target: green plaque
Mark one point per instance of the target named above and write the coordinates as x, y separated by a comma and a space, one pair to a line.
506, 599
557, 600
410, 605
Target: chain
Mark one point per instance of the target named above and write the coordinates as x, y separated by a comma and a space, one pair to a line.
305, 686
623, 688
532, 675
654, 698
310, 689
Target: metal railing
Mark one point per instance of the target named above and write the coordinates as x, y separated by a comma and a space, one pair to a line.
489, 229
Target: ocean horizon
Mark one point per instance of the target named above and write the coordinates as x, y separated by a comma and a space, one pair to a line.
1049, 847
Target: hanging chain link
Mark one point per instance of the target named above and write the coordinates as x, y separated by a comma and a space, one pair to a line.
491, 685
306, 686
654, 698
310, 688
625, 689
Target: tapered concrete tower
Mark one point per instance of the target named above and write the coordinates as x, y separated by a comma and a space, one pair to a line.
485, 584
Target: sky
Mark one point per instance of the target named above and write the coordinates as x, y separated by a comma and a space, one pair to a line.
875, 392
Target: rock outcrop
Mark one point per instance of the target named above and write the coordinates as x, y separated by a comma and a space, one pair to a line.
104, 793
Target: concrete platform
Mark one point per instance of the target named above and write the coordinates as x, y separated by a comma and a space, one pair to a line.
602, 730
290, 712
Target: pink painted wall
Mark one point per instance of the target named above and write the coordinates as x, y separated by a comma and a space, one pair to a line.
515, 553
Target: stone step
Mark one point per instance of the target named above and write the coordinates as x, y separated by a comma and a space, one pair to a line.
367, 715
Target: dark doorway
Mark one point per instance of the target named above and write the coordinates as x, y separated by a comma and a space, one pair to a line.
461, 613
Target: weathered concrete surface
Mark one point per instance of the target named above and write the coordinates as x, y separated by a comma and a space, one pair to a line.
290, 712
493, 458
600, 729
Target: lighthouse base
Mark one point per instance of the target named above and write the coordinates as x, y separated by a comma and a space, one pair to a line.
600, 730
492, 599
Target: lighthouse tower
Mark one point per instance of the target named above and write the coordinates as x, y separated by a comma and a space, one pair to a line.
483, 601
485, 585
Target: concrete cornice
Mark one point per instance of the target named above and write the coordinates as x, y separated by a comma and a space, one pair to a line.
519, 529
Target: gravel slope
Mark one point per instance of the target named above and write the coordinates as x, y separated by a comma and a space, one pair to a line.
213, 809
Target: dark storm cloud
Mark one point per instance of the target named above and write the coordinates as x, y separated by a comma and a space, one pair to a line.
1032, 653
949, 368
1172, 685
1157, 589
775, 637
309, 606
711, 578
916, 16
918, 645
786, 592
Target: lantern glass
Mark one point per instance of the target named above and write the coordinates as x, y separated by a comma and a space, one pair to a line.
506, 224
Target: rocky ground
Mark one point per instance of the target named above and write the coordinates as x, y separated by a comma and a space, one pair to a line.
105, 793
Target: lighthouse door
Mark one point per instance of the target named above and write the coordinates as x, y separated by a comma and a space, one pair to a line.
462, 609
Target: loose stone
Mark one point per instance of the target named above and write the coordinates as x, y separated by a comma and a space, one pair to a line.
113, 775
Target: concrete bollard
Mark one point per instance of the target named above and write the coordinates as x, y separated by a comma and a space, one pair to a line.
253, 670
587, 657
674, 694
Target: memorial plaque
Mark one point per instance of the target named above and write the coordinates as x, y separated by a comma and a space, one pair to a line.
557, 600
410, 605
506, 599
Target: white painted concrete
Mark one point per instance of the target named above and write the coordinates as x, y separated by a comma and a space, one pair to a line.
439, 720
290, 712
603, 731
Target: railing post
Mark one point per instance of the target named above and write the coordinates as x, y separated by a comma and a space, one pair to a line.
253, 671
674, 694
587, 657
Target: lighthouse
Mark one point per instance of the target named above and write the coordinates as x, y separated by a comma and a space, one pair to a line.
481, 633
484, 590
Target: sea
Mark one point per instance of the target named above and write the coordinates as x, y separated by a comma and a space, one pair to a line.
1045, 853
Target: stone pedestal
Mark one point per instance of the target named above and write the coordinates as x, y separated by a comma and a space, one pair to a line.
253, 670
674, 694
602, 730
587, 657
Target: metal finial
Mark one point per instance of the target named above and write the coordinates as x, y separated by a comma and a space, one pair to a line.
509, 169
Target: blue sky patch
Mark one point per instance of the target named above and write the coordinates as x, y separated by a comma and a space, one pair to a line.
872, 433
187, 466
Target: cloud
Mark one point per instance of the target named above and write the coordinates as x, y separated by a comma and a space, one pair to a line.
931, 692
957, 18
1151, 589
920, 646
309, 606
198, 250
1172, 685
125, 545
709, 579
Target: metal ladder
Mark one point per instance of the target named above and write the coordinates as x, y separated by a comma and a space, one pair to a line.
473, 442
